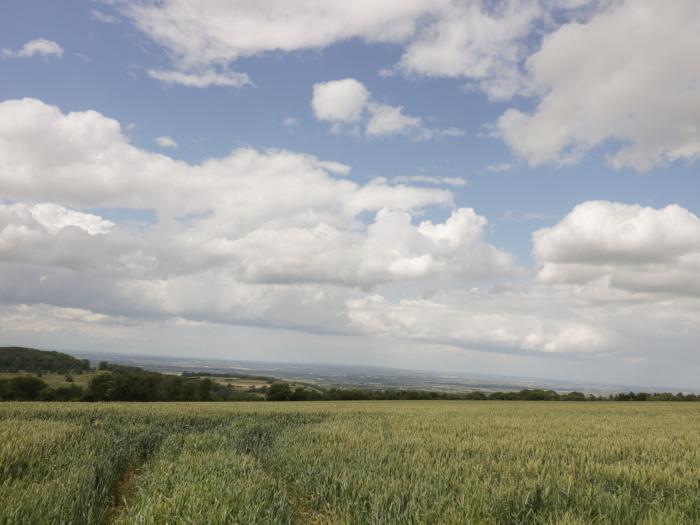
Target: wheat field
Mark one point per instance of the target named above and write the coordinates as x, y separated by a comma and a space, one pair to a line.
350, 462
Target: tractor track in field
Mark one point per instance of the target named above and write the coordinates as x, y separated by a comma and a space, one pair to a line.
122, 489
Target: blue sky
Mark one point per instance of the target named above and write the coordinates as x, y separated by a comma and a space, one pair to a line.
512, 176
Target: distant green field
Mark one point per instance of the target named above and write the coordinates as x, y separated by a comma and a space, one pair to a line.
54, 380
350, 462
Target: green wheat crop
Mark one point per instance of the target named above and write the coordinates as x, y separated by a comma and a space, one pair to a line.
350, 462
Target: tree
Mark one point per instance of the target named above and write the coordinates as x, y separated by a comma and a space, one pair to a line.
279, 392
22, 389
575, 396
205, 389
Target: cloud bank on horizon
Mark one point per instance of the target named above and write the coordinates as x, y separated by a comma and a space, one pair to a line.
103, 232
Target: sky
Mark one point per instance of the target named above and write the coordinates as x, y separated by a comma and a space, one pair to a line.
484, 186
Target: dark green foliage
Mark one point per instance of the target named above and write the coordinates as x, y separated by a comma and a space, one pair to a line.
279, 392
111, 367
63, 393
283, 392
16, 359
527, 395
205, 387
306, 394
574, 396
135, 384
21, 389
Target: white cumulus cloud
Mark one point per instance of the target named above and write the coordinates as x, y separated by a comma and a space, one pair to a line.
37, 47
627, 247
628, 76
348, 105
474, 41
390, 120
339, 100
221, 227
52, 218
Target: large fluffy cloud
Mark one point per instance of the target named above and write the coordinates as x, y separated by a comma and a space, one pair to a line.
274, 238
626, 247
628, 76
470, 40
613, 280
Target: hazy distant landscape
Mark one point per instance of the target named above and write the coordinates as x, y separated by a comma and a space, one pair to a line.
367, 377
28, 374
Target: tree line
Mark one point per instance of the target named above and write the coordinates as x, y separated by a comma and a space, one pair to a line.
284, 392
122, 383
142, 385
122, 386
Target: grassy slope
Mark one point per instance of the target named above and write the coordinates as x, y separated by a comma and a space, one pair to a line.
352, 462
237, 382
54, 380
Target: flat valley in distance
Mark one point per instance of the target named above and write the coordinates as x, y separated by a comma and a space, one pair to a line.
366, 377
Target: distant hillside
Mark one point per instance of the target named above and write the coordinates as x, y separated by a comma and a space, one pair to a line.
15, 359
27, 374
